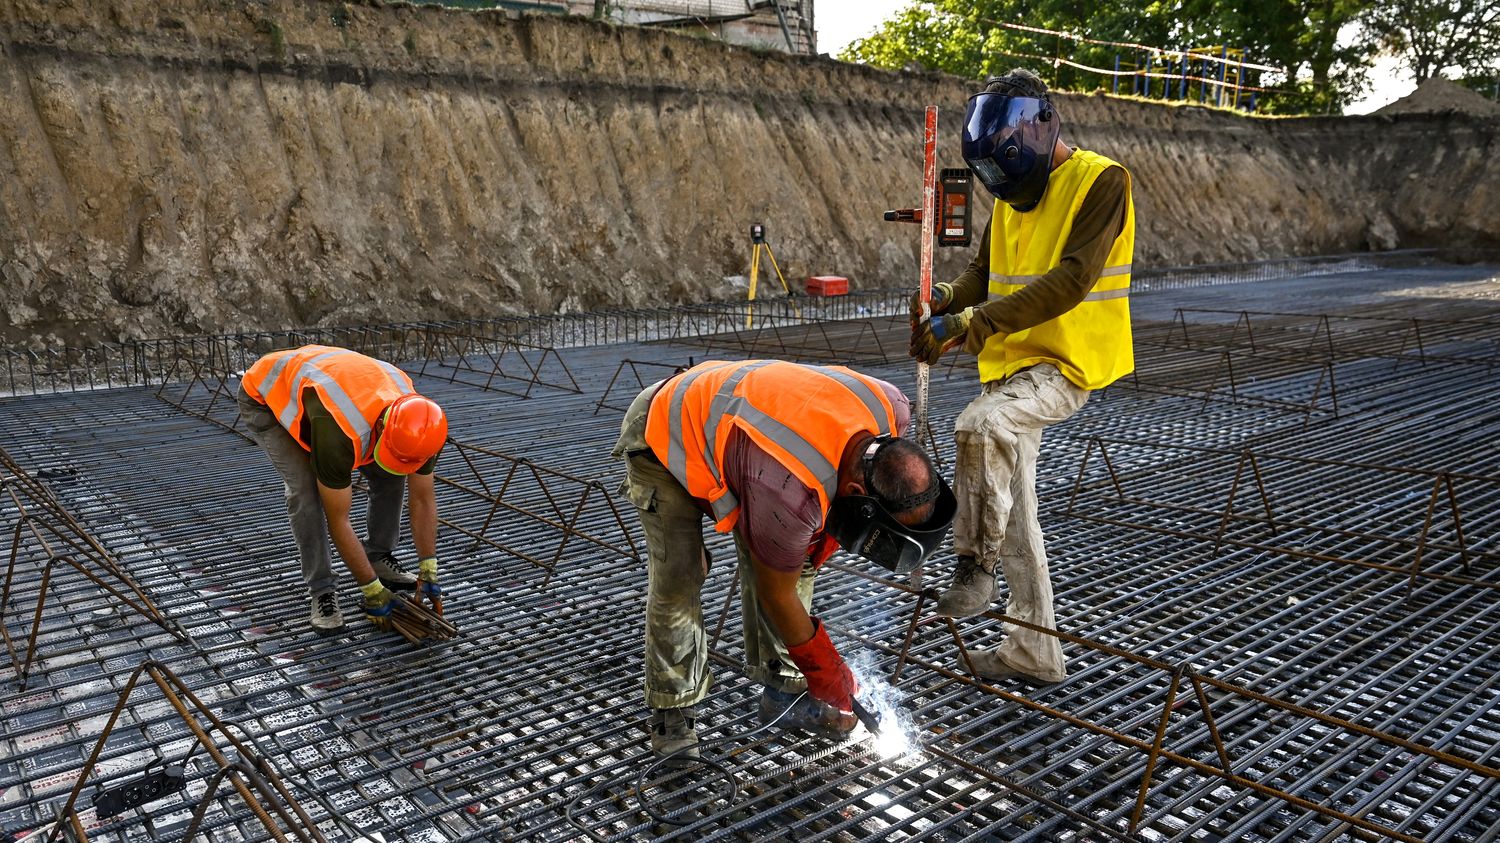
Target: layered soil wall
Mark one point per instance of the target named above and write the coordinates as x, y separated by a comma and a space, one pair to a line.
203, 165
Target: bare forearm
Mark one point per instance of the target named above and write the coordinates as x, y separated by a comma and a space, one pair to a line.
777, 592
421, 503
424, 527
350, 550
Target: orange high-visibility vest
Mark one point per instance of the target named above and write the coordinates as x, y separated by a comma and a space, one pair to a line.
1090, 344
354, 388
802, 416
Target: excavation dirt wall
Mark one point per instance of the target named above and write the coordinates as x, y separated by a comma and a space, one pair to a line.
173, 166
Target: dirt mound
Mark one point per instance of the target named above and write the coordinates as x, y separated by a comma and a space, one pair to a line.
1437, 95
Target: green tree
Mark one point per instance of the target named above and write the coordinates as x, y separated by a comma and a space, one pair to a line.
1301, 37
1432, 35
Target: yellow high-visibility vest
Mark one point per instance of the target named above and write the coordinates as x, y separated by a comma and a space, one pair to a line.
1090, 344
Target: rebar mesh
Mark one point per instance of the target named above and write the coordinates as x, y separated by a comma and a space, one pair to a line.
530, 726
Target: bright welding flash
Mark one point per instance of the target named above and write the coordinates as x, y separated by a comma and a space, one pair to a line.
891, 741
891, 744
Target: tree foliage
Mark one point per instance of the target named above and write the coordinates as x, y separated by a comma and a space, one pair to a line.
1299, 37
1434, 35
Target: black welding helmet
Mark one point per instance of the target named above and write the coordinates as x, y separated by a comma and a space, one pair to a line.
864, 524
1008, 143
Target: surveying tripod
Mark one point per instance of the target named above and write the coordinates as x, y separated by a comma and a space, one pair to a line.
758, 241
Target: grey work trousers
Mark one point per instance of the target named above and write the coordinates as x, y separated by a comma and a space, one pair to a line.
305, 507
677, 564
999, 436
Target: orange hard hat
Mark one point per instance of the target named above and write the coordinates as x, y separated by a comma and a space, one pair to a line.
415, 430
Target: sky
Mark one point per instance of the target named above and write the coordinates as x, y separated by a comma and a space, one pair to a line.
842, 21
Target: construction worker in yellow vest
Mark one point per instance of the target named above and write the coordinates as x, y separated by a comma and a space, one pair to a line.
1045, 307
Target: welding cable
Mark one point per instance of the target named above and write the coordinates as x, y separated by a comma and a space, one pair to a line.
731, 788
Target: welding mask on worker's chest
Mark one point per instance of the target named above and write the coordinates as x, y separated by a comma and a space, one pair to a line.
865, 526
1008, 143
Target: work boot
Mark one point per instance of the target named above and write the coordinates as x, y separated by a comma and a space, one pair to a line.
806, 714
672, 732
989, 665
392, 575
326, 616
972, 591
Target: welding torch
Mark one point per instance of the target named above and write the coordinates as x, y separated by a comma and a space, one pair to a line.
872, 723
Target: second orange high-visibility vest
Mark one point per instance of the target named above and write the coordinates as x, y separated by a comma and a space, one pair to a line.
803, 416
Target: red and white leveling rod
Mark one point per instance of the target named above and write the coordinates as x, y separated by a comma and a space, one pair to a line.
929, 230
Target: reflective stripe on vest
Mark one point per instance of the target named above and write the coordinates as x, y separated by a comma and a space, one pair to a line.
1090, 343
685, 411
354, 389
1095, 294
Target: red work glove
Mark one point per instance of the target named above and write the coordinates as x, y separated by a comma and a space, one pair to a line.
828, 678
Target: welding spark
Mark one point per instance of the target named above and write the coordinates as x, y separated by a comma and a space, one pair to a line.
892, 743
896, 738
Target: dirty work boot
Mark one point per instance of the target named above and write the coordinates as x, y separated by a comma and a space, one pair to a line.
972, 591
989, 665
392, 575
326, 616
805, 714
672, 732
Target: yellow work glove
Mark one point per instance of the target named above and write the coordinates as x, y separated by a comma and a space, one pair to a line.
942, 296
378, 604
427, 583
931, 338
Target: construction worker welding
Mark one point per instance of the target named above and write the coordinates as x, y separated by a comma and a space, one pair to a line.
1044, 305
796, 461
322, 413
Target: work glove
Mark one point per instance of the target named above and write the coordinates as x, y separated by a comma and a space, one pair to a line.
378, 604
942, 296
427, 583
931, 338
828, 678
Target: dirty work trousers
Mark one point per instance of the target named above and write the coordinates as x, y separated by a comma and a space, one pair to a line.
999, 435
300, 486
677, 564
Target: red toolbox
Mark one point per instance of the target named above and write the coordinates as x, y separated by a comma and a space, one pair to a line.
827, 285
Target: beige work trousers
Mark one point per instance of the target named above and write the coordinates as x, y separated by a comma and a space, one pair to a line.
677, 563
999, 435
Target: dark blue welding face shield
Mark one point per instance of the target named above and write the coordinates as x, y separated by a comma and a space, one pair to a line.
866, 525
1008, 143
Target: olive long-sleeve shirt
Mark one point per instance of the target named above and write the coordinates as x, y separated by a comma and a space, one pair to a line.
1099, 220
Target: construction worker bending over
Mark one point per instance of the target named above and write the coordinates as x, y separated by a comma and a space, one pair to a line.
796, 460
321, 413
1044, 306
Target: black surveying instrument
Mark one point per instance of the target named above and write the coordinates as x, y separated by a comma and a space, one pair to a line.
757, 243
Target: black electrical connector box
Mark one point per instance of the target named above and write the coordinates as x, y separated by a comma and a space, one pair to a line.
146, 788
955, 193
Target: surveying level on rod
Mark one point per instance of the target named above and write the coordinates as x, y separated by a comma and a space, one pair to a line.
955, 215
758, 242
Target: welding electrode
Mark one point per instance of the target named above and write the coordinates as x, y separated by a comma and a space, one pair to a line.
871, 721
